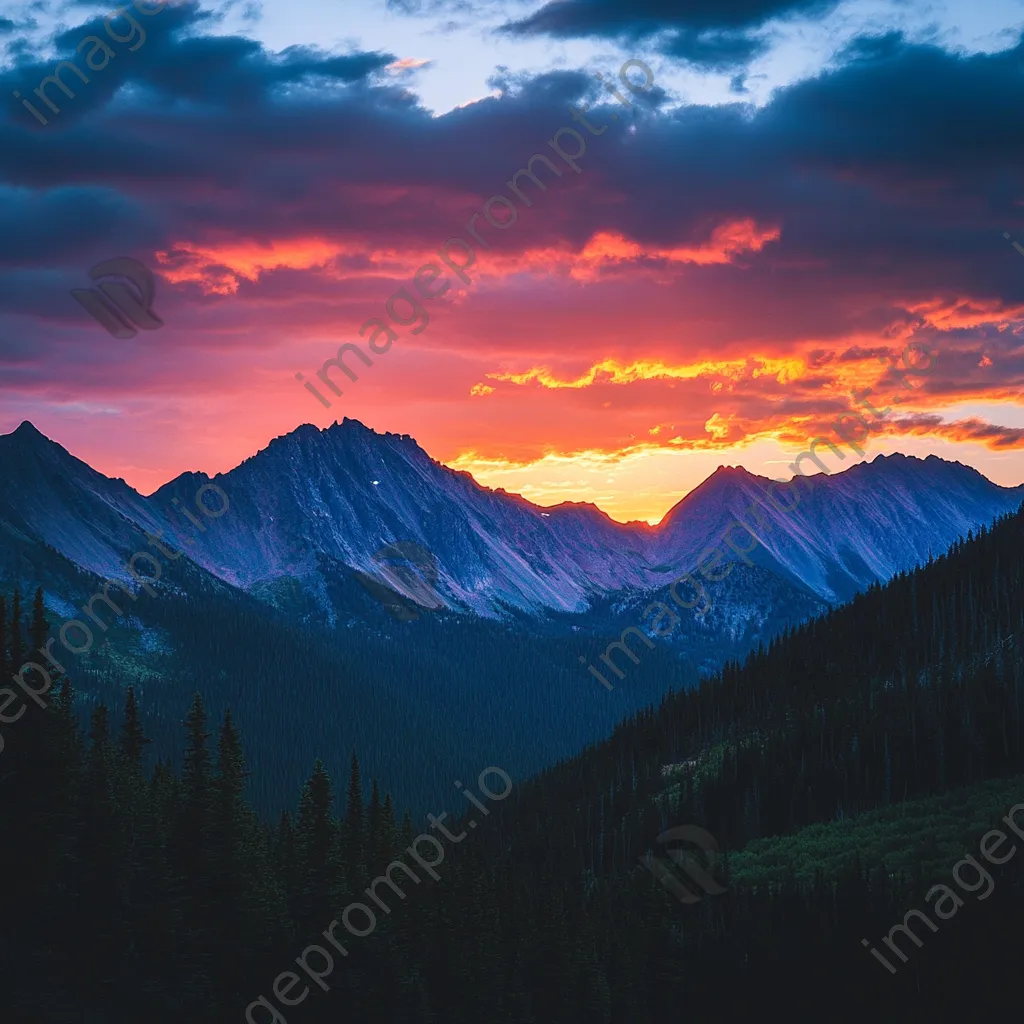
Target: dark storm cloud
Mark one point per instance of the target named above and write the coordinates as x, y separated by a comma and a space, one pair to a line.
214, 131
895, 171
53, 225
568, 18
711, 33
714, 51
217, 69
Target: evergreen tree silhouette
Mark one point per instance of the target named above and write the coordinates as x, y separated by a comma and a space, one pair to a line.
354, 839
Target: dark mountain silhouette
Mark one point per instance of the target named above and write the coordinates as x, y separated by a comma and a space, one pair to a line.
315, 504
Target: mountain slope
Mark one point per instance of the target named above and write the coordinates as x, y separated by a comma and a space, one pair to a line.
344, 493
48, 495
881, 740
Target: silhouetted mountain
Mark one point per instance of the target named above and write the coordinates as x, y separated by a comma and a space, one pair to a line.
316, 505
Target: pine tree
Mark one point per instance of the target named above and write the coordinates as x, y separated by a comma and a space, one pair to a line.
316, 835
99, 761
241, 914
354, 838
192, 835
231, 775
129, 783
100, 902
375, 848
66, 741
4, 673
145, 880
164, 806
285, 859
195, 779
133, 741
39, 627
231, 824
17, 653
165, 794
64, 767
389, 829
36, 751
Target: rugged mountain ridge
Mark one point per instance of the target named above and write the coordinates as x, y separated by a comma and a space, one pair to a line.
848, 529
314, 506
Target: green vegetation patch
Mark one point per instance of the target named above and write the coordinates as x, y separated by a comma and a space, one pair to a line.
928, 835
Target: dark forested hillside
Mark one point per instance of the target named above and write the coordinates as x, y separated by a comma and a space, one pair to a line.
158, 895
425, 700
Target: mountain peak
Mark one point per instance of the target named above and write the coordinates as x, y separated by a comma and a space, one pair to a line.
30, 440
723, 477
28, 432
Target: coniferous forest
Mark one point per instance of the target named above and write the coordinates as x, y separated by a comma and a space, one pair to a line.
843, 769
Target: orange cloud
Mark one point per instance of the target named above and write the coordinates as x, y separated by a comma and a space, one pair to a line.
947, 314
216, 269
609, 251
972, 429
727, 240
611, 371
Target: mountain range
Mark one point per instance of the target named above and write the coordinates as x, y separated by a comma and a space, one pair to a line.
270, 613
316, 504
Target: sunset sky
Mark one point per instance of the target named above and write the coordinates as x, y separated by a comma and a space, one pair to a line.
805, 187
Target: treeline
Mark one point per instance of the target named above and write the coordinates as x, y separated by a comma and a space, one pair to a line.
140, 895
